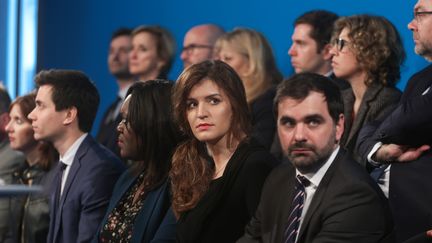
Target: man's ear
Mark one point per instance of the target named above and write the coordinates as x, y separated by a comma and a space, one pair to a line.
326, 52
340, 127
71, 114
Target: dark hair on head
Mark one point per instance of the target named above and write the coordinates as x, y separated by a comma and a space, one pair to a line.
191, 173
321, 22
5, 101
377, 45
150, 117
48, 155
165, 44
72, 89
121, 32
299, 86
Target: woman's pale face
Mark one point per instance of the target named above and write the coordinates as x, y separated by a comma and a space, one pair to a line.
344, 61
127, 140
238, 61
20, 131
143, 58
209, 112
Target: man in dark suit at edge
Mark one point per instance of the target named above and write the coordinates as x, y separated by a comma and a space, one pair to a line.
66, 105
118, 64
398, 148
339, 200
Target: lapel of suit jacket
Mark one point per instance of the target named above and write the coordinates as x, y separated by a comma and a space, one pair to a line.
348, 98
285, 205
54, 224
151, 202
370, 96
76, 165
320, 194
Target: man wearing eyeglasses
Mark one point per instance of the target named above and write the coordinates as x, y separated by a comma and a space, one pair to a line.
399, 147
310, 49
198, 43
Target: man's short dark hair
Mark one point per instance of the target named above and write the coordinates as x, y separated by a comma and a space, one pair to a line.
121, 32
5, 101
321, 22
300, 85
72, 89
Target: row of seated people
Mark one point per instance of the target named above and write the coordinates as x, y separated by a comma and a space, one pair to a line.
198, 176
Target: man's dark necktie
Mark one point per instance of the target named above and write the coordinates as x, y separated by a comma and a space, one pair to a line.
59, 182
296, 210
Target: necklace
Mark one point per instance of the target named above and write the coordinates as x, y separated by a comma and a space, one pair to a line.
220, 170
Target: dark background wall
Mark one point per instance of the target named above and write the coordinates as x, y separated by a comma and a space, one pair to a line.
75, 34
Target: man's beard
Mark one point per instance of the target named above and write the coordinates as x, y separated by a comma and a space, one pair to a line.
311, 161
123, 75
424, 50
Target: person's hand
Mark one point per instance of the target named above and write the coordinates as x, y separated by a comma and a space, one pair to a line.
429, 233
398, 153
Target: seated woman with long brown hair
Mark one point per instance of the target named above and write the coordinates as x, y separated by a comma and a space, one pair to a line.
218, 172
31, 212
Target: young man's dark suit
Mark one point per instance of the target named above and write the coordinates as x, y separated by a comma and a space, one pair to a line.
410, 186
347, 207
86, 194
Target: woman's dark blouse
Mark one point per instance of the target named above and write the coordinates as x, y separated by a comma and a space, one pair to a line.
120, 222
225, 219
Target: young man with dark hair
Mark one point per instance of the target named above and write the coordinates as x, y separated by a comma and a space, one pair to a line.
66, 105
310, 50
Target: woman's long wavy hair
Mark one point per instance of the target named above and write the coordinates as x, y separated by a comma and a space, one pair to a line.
191, 171
254, 46
377, 46
47, 155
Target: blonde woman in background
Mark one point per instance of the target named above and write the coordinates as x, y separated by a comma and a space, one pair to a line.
250, 55
152, 54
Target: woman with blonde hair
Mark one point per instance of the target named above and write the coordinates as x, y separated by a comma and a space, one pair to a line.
250, 55
218, 172
367, 52
152, 54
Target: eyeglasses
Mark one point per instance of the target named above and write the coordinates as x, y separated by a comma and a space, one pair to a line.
419, 14
191, 47
340, 43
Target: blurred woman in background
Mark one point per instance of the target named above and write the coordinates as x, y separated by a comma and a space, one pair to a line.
152, 54
367, 52
250, 55
31, 212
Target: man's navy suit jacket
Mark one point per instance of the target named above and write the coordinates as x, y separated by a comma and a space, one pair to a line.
86, 194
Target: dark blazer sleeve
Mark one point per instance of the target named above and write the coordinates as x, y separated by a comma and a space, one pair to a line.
98, 188
167, 229
263, 120
410, 123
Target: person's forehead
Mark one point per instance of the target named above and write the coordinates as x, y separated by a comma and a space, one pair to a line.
423, 4
314, 103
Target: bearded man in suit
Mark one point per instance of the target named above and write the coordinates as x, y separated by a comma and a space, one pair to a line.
323, 195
